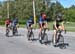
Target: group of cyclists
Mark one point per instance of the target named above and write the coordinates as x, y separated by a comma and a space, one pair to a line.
11, 24
57, 24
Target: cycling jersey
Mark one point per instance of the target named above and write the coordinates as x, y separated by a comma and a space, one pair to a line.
29, 23
15, 22
41, 20
7, 22
57, 24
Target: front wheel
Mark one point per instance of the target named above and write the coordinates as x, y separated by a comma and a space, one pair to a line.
61, 42
45, 38
15, 31
61, 39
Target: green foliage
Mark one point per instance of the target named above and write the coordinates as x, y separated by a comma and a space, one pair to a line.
23, 9
70, 14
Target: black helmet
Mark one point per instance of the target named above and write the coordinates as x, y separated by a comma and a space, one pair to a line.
58, 19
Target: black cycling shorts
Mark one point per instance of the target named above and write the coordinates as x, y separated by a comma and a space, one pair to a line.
57, 25
42, 25
7, 25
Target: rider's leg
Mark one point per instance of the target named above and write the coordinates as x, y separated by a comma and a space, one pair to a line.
29, 26
54, 36
41, 28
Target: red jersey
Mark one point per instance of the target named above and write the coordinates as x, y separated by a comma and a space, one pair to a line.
7, 22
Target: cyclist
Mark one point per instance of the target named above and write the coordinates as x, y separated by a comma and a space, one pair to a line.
58, 24
7, 23
42, 22
15, 24
29, 23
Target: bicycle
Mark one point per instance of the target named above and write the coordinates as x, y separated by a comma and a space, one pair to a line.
7, 31
8, 28
30, 34
58, 38
15, 30
43, 38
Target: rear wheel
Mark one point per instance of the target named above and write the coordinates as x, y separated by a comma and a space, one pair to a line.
7, 32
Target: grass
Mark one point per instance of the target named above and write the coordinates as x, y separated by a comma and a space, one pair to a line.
69, 26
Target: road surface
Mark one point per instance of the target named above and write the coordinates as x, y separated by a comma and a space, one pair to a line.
20, 45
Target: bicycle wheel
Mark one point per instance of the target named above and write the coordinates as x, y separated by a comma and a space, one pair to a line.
32, 36
28, 35
16, 31
61, 39
61, 42
13, 31
45, 38
7, 32
40, 38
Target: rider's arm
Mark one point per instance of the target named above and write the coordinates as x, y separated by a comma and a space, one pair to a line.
63, 25
55, 25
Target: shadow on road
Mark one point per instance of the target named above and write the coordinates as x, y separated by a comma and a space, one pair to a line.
35, 39
15, 35
48, 42
62, 46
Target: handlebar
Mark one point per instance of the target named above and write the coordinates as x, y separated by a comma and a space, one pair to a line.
61, 31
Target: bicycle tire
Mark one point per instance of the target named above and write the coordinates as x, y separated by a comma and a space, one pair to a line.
14, 31
61, 39
45, 38
40, 38
28, 35
32, 36
7, 32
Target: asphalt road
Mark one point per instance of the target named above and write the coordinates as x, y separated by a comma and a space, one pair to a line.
20, 45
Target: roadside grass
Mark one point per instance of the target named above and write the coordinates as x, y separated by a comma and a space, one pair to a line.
68, 26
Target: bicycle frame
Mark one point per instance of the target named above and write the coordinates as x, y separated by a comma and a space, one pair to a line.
43, 36
30, 33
